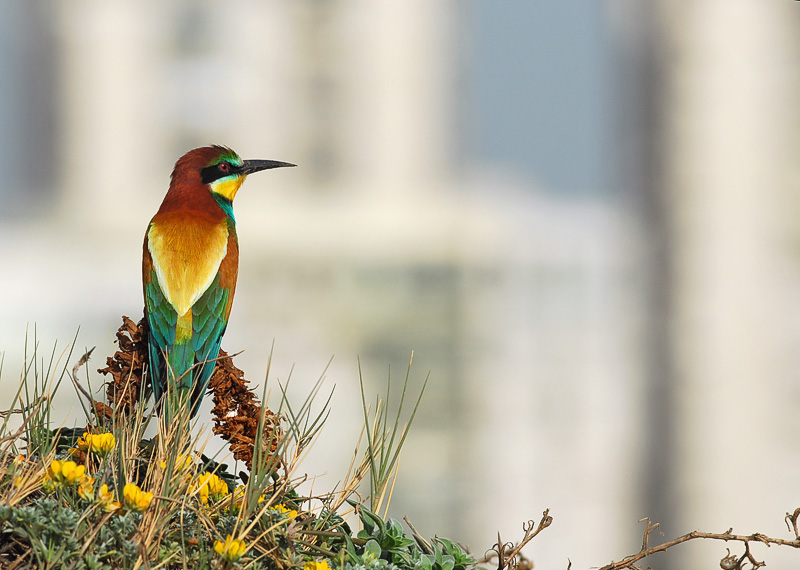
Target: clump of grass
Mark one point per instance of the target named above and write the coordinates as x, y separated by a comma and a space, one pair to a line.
385, 439
106, 496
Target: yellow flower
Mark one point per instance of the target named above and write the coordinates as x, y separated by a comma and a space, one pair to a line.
86, 488
282, 509
231, 550
84, 443
19, 460
106, 499
104, 495
317, 565
99, 443
66, 473
209, 486
135, 498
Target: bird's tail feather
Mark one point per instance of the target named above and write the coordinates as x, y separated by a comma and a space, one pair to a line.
180, 380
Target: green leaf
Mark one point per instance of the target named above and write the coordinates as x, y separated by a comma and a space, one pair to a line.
373, 549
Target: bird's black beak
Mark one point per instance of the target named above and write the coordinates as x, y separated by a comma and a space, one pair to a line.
251, 166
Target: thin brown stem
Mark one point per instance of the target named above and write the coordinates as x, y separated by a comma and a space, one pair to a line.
629, 561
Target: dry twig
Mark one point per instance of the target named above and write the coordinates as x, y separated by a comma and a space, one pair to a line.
728, 562
508, 555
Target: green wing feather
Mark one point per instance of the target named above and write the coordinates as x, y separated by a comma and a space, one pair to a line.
191, 361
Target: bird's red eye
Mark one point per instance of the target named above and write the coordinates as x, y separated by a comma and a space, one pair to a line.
223, 167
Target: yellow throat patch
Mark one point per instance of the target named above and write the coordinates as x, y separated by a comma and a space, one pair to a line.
227, 187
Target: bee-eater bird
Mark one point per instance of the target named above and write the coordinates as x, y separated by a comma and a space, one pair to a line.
189, 269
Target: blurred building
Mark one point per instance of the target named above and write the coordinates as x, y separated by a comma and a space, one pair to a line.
579, 220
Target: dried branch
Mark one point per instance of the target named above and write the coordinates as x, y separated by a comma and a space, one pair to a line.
729, 562
74, 376
509, 555
792, 518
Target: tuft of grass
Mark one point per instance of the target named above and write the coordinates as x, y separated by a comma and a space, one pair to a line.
385, 438
106, 496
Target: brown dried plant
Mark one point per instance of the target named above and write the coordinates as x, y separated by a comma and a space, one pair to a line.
237, 412
126, 366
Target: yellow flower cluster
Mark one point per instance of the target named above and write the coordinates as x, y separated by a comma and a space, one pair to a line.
209, 486
284, 510
313, 565
99, 443
64, 473
135, 498
68, 474
231, 550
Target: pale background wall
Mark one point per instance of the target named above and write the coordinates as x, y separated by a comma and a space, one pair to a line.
580, 215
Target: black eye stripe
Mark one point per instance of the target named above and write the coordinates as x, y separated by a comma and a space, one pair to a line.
214, 172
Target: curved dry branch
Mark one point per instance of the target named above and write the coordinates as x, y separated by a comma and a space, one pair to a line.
508, 554
728, 562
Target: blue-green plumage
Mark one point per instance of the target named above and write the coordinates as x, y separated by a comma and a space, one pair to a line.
191, 362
